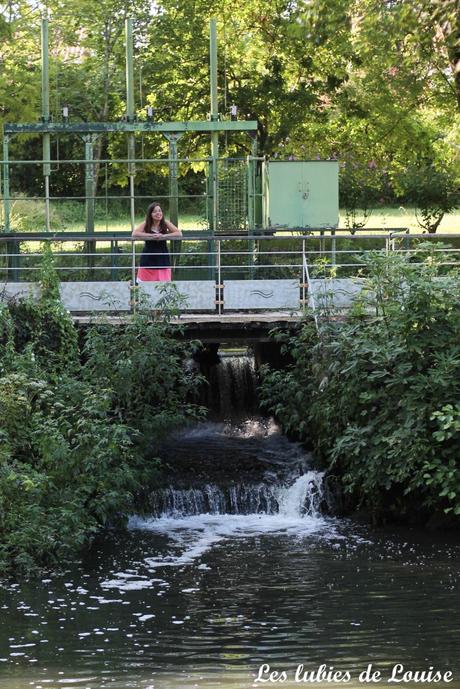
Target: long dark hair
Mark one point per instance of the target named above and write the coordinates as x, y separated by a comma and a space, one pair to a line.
149, 222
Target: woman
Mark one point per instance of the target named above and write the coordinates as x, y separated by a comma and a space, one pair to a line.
155, 265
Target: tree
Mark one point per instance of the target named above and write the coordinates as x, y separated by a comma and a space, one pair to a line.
364, 79
19, 69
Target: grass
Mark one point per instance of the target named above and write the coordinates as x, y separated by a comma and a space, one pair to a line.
392, 217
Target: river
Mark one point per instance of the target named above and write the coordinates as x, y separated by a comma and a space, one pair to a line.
223, 579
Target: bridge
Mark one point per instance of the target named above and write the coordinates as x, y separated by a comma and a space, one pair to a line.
271, 248
224, 289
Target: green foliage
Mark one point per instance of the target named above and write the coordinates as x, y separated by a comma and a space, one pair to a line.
66, 468
79, 424
7, 344
380, 395
43, 326
433, 192
19, 76
144, 364
377, 81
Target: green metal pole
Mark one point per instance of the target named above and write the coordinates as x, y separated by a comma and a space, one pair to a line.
250, 197
173, 184
251, 186
45, 73
214, 117
213, 68
254, 168
89, 184
174, 191
251, 193
6, 184
130, 113
89, 201
131, 141
129, 70
265, 195
214, 139
46, 118
13, 261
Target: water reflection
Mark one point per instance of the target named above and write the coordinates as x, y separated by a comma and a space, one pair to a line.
203, 601
266, 598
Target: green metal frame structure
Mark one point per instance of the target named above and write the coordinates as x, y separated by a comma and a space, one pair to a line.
172, 131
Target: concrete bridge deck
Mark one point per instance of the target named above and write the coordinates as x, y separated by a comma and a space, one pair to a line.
234, 328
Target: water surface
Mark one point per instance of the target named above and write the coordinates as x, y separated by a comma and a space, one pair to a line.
203, 600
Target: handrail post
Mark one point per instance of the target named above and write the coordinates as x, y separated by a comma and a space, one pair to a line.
312, 296
133, 276
333, 248
220, 289
304, 275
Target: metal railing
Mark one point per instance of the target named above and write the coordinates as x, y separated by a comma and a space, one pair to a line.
196, 255
95, 205
297, 261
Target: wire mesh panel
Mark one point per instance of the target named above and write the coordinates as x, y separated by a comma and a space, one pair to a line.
232, 176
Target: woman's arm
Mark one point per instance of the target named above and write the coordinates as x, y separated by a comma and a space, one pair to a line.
173, 231
138, 233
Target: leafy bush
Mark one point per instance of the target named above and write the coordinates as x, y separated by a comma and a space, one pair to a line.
66, 468
44, 326
143, 363
380, 395
78, 425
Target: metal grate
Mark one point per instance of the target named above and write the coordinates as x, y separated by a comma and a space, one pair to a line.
232, 178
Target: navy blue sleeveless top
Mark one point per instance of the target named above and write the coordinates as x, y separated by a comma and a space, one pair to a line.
155, 254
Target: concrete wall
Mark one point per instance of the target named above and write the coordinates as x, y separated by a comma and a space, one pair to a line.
198, 296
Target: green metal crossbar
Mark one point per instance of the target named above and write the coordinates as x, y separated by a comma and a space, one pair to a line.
137, 126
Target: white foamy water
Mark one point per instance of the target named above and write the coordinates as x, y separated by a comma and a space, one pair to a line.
294, 512
304, 497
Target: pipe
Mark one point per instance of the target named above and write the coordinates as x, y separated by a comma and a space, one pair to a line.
214, 117
46, 118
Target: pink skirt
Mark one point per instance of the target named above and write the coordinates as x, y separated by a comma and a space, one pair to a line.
154, 275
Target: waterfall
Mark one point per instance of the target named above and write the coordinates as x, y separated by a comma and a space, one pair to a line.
304, 497
241, 465
196, 520
232, 386
238, 478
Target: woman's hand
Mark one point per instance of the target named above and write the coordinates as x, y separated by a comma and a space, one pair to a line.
173, 231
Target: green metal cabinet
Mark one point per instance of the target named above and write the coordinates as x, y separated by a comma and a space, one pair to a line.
303, 193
